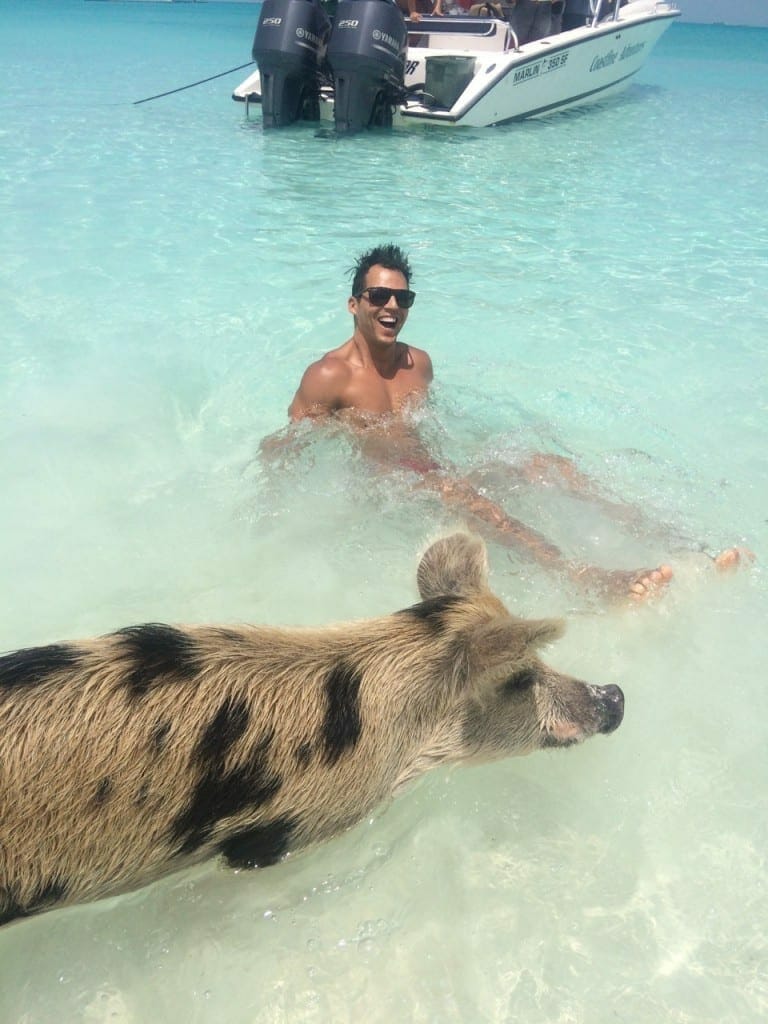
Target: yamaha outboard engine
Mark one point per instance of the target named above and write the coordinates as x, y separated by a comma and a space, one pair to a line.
289, 47
367, 57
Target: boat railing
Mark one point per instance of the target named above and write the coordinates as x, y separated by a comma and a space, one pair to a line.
596, 6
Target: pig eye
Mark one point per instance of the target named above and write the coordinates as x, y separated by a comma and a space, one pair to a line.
520, 681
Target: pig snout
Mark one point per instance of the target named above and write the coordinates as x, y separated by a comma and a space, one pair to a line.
610, 704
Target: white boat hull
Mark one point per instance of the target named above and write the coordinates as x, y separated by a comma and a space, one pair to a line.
508, 83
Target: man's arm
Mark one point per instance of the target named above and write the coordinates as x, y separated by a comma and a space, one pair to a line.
423, 363
321, 391
320, 394
408, 7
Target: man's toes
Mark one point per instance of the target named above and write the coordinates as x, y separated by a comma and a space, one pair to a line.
732, 558
643, 586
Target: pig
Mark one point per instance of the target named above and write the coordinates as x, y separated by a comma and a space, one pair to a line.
136, 754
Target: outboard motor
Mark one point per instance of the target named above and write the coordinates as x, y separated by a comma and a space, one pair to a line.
288, 47
367, 56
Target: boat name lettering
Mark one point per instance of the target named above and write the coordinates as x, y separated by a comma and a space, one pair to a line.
410, 67
303, 33
349, 23
605, 60
529, 71
541, 67
272, 21
557, 61
382, 37
631, 50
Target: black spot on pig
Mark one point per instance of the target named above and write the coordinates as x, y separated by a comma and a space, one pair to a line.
159, 736
33, 666
11, 910
342, 724
159, 653
225, 729
103, 792
47, 895
432, 611
260, 846
303, 754
221, 794
44, 897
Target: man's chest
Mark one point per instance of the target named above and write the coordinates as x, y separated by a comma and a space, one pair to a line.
373, 393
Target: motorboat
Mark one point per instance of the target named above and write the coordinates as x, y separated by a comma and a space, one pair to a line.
370, 66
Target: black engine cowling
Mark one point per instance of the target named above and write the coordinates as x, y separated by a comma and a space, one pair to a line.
289, 47
366, 53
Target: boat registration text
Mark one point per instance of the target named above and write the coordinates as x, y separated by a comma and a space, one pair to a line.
541, 67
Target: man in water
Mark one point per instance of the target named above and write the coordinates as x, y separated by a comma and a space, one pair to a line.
372, 380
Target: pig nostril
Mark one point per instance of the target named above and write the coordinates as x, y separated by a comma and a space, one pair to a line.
611, 701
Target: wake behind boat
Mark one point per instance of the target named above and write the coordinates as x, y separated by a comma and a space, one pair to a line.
373, 67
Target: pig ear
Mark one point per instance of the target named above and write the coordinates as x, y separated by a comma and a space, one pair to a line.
544, 631
453, 565
496, 645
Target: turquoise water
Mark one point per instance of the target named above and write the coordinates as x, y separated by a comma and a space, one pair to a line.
594, 284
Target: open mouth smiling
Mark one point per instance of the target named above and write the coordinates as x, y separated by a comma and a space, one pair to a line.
389, 321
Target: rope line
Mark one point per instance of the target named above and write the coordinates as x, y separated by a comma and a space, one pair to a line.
192, 84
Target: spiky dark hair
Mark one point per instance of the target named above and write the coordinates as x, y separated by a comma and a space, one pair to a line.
389, 256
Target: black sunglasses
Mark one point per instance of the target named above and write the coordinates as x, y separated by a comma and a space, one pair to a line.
378, 296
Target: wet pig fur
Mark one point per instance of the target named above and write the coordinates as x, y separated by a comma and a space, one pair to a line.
136, 754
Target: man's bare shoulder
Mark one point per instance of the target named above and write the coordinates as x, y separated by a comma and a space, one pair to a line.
323, 384
420, 355
337, 362
420, 361
331, 364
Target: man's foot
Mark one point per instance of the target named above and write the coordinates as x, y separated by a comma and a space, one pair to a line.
648, 584
622, 584
733, 558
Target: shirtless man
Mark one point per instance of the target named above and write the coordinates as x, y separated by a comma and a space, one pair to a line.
372, 372
371, 380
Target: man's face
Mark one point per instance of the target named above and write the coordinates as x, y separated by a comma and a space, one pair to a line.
379, 325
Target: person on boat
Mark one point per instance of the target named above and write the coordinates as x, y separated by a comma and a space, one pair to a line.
532, 20
488, 9
374, 379
452, 8
576, 14
415, 9
558, 9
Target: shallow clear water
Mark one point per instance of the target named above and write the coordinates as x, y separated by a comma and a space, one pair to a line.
593, 284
